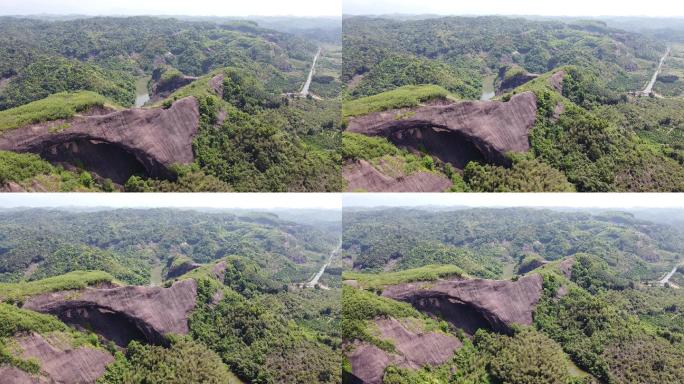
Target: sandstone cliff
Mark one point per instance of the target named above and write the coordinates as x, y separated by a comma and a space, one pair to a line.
117, 144
413, 350
476, 303
122, 314
362, 175
59, 361
457, 132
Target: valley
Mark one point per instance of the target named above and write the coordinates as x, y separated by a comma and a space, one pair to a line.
575, 69
59, 71
460, 295
167, 295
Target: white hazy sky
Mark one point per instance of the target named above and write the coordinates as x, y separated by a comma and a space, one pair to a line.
665, 8
577, 200
184, 200
174, 7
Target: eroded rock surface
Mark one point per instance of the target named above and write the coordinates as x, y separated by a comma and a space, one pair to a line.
12, 375
216, 84
368, 362
123, 314
457, 132
514, 81
413, 350
418, 349
117, 144
59, 361
182, 269
566, 266
531, 266
162, 89
363, 176
556, 81
476, 303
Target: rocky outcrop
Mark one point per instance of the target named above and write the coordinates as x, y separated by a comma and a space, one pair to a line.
362, 176
512, 82
556, 81
122, 314
418, 349
218, 271
531, 265
216, 84
566, 266
59, 361
163, 87
457, 132
368, 363
13, 375
181, 269
476, 303
115, 145
413, 350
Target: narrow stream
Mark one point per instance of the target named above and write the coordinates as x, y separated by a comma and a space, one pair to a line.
142, 95
488, 87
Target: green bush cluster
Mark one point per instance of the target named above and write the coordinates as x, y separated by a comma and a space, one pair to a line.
53, 75
397, 71
185, 361
400, 97
63, 105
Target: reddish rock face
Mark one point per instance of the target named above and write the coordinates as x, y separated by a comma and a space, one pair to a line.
123, 314
474, 304
216, 83
59, 361
369, 362
116, 144
414, 350
363, 176
182, 269
457, 132
566, 265
556, 81
514, 82
418, 349
161, 91
13, 375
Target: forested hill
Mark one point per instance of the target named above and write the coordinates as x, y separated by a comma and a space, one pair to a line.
593, 130
254, 132
120, 48
512, 295
484, 44
484, 242
167, 295
129, 244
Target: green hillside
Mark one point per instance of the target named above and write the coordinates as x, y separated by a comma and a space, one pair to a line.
600, 319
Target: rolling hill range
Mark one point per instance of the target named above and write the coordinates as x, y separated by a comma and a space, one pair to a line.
115, 296
89, 96
508, 104
510, 295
